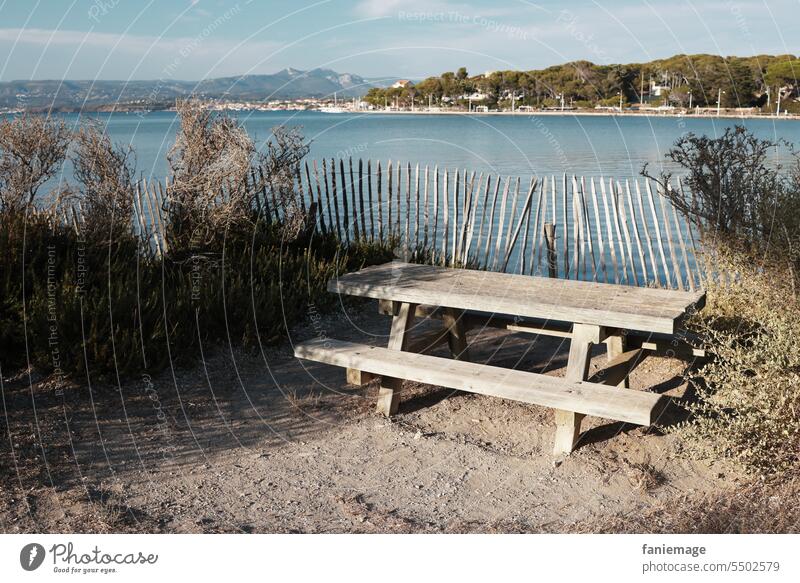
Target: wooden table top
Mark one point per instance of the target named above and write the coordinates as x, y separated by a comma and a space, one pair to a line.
602, 304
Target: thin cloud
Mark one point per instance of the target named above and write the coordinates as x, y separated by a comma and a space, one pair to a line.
135, 44
378, 8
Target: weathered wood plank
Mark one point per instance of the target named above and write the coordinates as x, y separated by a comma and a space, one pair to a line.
471, 222
435, 234
646, 231
657, 229
369, 199
354, 204
600, 243
639, 249
427, 213
389, 182
399, 213
509, 245
609, 231
500, 224
321, 212
445, 215
336, 201
379, 188
407, 238
682, 243
360, 195
668, 230
566, 224
538, 230
650, 310
588, 228
626, 231
490, 226
586, 398
416, 209
515, 235
576, 231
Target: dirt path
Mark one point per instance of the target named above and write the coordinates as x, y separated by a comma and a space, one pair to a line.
264, 443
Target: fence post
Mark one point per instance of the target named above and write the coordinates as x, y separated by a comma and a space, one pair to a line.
550, 241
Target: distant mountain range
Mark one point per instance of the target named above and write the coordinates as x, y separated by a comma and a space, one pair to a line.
286, 84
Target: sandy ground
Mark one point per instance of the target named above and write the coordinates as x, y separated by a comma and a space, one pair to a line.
260, 442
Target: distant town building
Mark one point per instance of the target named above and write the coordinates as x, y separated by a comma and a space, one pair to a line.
657, 90
402, 84
477, 96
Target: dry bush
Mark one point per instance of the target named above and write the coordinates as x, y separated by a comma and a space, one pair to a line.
105, 172
756, 507
735, 187
279, 166
748, 394
32, 151
210, 163
738, 192
644, 476
217, 172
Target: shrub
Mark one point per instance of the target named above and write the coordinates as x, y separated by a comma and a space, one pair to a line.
32, 150
748, 395
92, 296
114, 308
105, 174
756, 506
738, 191
209, 164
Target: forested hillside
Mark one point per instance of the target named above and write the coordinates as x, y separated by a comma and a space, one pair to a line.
743, 82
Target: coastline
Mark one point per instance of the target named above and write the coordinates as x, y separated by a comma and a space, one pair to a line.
577, 113
425, 112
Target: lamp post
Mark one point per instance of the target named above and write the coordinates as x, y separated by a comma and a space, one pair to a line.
778, 100
719, 100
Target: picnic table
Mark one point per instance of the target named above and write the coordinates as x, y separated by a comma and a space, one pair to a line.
631, 321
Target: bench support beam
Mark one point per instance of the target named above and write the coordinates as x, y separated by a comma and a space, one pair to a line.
615, 345
358, 377
655, 344
453, 320
389, 396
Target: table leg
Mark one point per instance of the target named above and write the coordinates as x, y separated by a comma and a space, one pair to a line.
388, 394
457, 334
615, 345
568, 423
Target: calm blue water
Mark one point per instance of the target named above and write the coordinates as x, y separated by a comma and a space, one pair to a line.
516, 146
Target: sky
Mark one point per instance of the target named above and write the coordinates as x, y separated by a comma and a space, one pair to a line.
197, 39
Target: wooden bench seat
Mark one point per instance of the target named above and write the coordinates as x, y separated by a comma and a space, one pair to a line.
587, 398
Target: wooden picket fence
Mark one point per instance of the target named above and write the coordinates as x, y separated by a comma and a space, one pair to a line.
571, 227
595, 229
